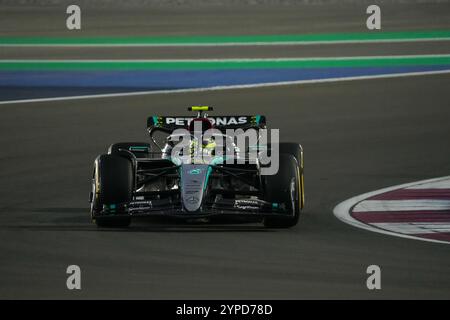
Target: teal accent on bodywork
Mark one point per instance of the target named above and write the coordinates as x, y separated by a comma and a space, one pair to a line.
155, 120
111, 208
138, 148
214, 162
208, 173
217, 160
258, 119
195, 171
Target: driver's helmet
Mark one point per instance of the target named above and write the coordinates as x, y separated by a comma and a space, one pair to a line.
203, 124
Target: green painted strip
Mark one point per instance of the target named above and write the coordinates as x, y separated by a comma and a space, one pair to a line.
223, 64
189, 40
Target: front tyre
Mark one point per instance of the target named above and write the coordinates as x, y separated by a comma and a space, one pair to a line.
295, 150
112, 184
284, 187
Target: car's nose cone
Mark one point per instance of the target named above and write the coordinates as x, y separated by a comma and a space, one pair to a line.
193, 180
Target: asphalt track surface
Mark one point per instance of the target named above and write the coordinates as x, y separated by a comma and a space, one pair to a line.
358, 136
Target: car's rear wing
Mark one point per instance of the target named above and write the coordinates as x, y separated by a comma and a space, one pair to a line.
220, 122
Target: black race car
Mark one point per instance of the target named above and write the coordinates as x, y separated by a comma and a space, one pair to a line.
138, 179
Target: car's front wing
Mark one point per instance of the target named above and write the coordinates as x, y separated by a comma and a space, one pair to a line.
225, 207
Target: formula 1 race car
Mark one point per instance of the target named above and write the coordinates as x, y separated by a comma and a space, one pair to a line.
139, 179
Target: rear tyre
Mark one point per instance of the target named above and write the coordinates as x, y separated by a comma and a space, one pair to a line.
283, 187
112, 184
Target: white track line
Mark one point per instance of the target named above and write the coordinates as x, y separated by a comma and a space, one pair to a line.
342, 210
411, 56
414, 228
401, 205
217, 88
433, 185
225, 44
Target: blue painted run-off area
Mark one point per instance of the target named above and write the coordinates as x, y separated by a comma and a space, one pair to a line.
17, 85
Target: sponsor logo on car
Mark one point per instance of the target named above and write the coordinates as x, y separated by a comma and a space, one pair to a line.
247, 204
195, 171
220, 121
192, 200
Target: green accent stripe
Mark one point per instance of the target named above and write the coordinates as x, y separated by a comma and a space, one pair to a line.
245, 39
138, 148
224, 64
214, 162
208, 174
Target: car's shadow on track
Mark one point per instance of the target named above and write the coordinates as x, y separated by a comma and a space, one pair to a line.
88, 227
77, 219
187, 229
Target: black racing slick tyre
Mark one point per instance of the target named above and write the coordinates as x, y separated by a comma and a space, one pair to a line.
112, 184
296, 150
284, 187
139, 149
